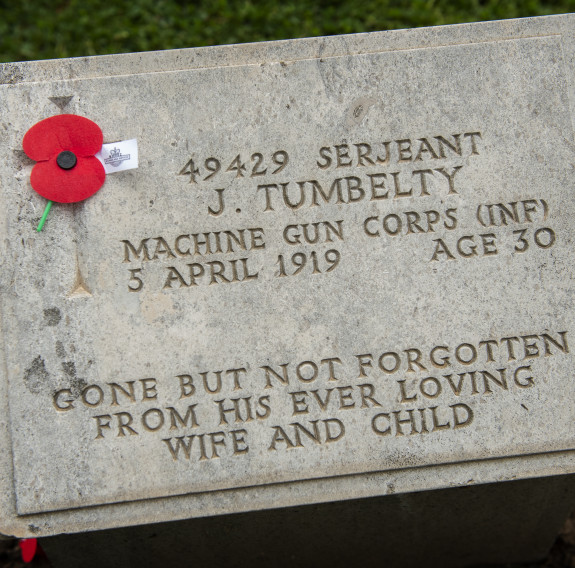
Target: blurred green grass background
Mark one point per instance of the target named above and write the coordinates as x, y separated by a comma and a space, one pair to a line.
42, 29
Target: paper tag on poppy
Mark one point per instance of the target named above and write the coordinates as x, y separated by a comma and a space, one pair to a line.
119, 156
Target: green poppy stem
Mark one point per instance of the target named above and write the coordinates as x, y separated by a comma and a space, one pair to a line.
44, 215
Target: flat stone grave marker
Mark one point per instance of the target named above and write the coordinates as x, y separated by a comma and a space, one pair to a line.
342, 269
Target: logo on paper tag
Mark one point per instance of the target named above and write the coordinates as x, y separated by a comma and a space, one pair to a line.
119, 156
116, 158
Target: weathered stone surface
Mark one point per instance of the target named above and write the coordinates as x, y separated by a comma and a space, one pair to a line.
342, 269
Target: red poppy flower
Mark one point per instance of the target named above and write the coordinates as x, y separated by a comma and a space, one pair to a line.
64, 147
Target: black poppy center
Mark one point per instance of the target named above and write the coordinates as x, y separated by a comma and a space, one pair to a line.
66, 160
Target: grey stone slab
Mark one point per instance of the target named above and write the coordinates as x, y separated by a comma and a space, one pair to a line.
342, 269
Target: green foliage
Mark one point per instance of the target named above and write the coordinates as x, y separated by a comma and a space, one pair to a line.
40, 29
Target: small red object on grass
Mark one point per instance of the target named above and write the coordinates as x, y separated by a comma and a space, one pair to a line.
28, 547
64, 147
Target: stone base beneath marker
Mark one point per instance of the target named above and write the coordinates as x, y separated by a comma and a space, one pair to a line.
484, 525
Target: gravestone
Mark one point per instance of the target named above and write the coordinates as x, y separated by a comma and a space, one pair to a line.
342, 270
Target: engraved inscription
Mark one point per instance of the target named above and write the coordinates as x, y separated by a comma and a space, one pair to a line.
202, 415
450, 232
